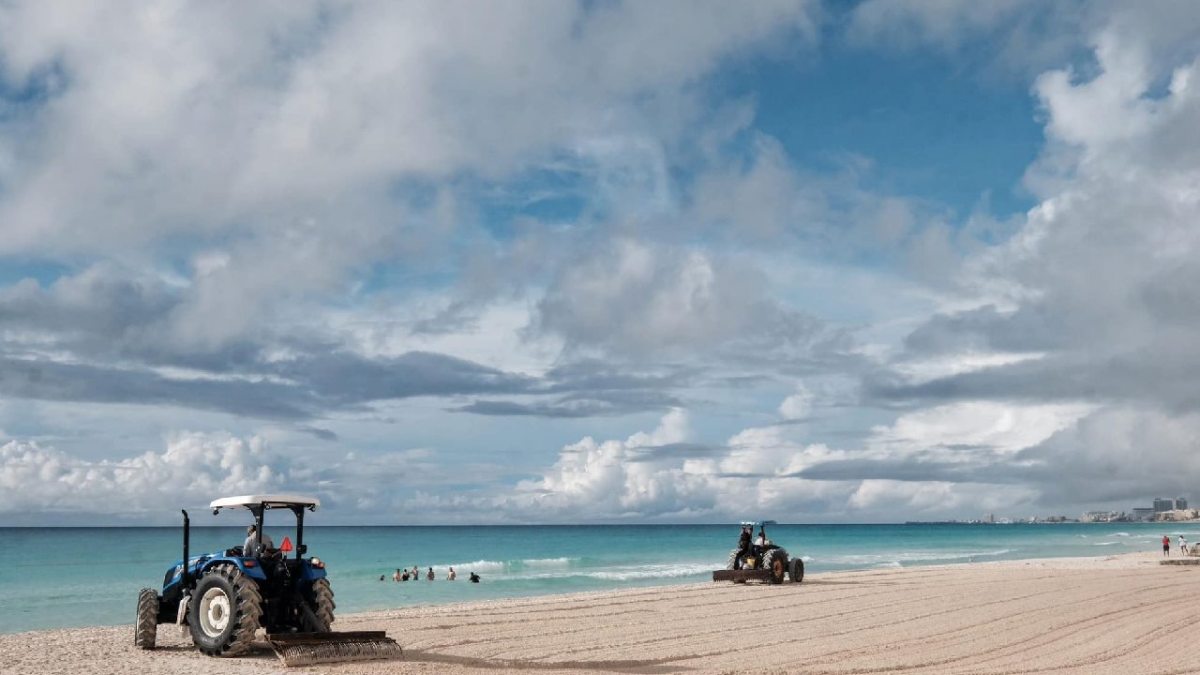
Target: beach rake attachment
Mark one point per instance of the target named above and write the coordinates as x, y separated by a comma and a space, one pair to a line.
306, 649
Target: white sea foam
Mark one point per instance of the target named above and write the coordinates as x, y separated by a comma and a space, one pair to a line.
495, 566
548, 562
901, 557
651, 572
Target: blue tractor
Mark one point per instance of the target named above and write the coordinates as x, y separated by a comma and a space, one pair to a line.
226, 596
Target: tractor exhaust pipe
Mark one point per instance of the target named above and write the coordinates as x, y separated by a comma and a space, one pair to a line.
187, 527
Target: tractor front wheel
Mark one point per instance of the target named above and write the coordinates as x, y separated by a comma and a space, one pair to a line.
732, 563
225, 611
796, 570
146, 628
775, 561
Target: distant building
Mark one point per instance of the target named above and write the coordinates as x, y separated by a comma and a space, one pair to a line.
1142, 513
1180, 514
1101, 517
1180, 504
1163, 504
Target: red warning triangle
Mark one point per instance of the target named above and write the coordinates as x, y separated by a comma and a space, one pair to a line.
286, 546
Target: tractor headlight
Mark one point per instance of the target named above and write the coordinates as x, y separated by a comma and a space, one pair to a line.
316, 562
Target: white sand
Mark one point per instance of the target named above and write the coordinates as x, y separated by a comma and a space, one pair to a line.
1122, 614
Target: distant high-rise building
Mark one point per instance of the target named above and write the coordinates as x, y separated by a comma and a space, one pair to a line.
1141, 513
1180, 503
1163, 504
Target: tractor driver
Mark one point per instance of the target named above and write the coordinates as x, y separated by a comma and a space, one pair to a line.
251, 549
760, 543
743, 545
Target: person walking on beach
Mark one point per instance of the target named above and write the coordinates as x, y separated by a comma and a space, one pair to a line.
1166, 545
1183, 549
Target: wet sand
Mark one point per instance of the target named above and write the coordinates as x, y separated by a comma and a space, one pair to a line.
1121, 614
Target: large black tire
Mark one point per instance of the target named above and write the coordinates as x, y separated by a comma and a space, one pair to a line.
323, 601
775, 561
146, 629
731, 564
796, 570
225, 611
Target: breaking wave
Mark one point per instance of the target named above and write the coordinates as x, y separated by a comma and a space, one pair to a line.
511, 566
899, 558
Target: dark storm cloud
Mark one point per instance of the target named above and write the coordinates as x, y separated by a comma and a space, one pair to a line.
47, 380
1163, 377
583, 404
913, 470
676, 452
103, 316
349, 379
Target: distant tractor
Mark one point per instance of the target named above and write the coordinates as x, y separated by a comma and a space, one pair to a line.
225, 597
759, 559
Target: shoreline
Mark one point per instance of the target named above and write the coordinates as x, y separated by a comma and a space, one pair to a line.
1057, 561
1121, 613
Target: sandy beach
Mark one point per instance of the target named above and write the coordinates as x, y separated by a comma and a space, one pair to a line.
1120, 614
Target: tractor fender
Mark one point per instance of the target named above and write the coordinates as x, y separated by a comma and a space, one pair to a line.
253, 570
310, 573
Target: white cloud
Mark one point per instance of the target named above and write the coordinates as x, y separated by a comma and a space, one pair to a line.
1003, 427
635, 298
658, 475
940, 497
195, 118
193, 469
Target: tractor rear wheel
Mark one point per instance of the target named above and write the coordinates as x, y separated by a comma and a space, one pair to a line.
323, 601
146, 628
775, 562
225, 611
796, 570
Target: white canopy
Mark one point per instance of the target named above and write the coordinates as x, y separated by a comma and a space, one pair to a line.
269, 501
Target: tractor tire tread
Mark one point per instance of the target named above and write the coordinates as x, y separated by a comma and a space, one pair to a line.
796, 569
323, 595
248, 613
768, 563
146, 629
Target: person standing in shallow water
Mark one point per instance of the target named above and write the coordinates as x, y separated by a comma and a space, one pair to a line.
1166, 545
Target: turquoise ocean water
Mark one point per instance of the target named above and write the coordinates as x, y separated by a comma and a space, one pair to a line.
61, 577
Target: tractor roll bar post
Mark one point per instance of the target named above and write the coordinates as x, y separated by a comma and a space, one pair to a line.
299, 511
187, 527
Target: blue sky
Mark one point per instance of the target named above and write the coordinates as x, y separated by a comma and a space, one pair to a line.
598, 262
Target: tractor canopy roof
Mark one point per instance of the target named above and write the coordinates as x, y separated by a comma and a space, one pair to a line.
265, 501
757, 523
